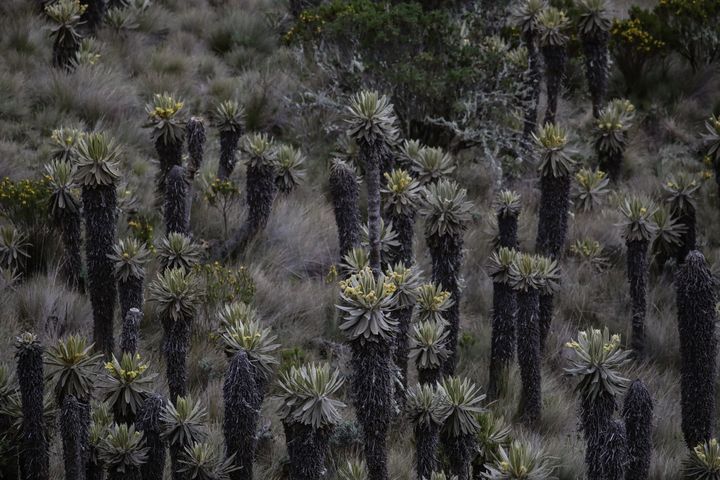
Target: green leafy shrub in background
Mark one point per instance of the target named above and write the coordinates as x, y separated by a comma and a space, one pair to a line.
690, 28
634, 44
424, 58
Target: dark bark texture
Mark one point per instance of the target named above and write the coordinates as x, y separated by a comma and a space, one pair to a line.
427, 442
64, 52
228, 147
400, 351
148, 422
70, 230
307, 449
637, 272
404, 226
507, 230
502, 346
446, 254
551, 235
528, 351
371, 155
34, 460
241, 417
175, 210
74, 424
176, 344
696, 300
611, 163
195, 134
372, 394
688, 238
345, 194
132, 473
460, 452
261, 191
597, 419
555, 61
95, 472
595, 49
429, 376
100, 211
130, 293
534, 78
169, 155
130, 334
93, 15
638, 415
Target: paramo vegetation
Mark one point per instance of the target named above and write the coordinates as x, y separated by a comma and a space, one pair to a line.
359, 239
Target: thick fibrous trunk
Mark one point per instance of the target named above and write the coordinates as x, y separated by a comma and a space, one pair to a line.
553, 221
611, 163
502, 348
507, 230
555, 60
74, 424
130, 292
169, 155
70, 230
446, 253
93, 16
242, 413
261, 191
429, 376
687, 238
595, 48
638, 415
34, 460
697, 317
228, 146
100, 211
176, 344
596, 419
372, 394
148, 422
552, 231
637, 272
460, 452
132, 473
345, 195
175, 209
307, 449
528, 351
404, 226
64, 52
427, 441
372, 156
400, 350
534, 79
95, 472
195, 134
130, 334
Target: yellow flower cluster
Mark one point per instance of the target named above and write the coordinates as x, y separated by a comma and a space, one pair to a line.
24, 201
224, 285
553, 138
221, 189
631, 32
364, 292
142, 230
399, 182
128, 372
438, 301
164, 107
587, 178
